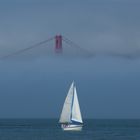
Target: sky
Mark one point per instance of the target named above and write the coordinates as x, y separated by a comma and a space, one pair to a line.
34, 84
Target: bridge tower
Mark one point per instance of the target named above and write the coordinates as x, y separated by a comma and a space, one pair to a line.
58, 43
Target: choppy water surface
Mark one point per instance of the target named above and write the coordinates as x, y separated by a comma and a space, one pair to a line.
49, 129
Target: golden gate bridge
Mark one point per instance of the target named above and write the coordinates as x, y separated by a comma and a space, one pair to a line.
58, 40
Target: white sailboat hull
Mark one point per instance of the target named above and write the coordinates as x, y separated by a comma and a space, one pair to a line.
71, 127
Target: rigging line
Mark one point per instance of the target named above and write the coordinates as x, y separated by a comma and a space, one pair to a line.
72, 44
28, 48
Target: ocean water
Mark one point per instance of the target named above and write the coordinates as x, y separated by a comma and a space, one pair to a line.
49, 129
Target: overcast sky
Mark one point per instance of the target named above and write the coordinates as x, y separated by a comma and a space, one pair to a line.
36, 85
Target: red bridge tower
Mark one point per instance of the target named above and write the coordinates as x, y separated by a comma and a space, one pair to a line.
58, 43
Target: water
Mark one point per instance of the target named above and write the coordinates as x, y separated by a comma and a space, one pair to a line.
49, 129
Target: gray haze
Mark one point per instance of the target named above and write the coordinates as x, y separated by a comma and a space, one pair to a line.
34, 84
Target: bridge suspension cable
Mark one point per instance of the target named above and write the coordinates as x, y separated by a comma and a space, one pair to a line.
73, 44
28, 48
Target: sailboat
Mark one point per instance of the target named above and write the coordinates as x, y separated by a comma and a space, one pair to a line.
70, 117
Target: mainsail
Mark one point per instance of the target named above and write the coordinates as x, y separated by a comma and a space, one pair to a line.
71, 109
66, 111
